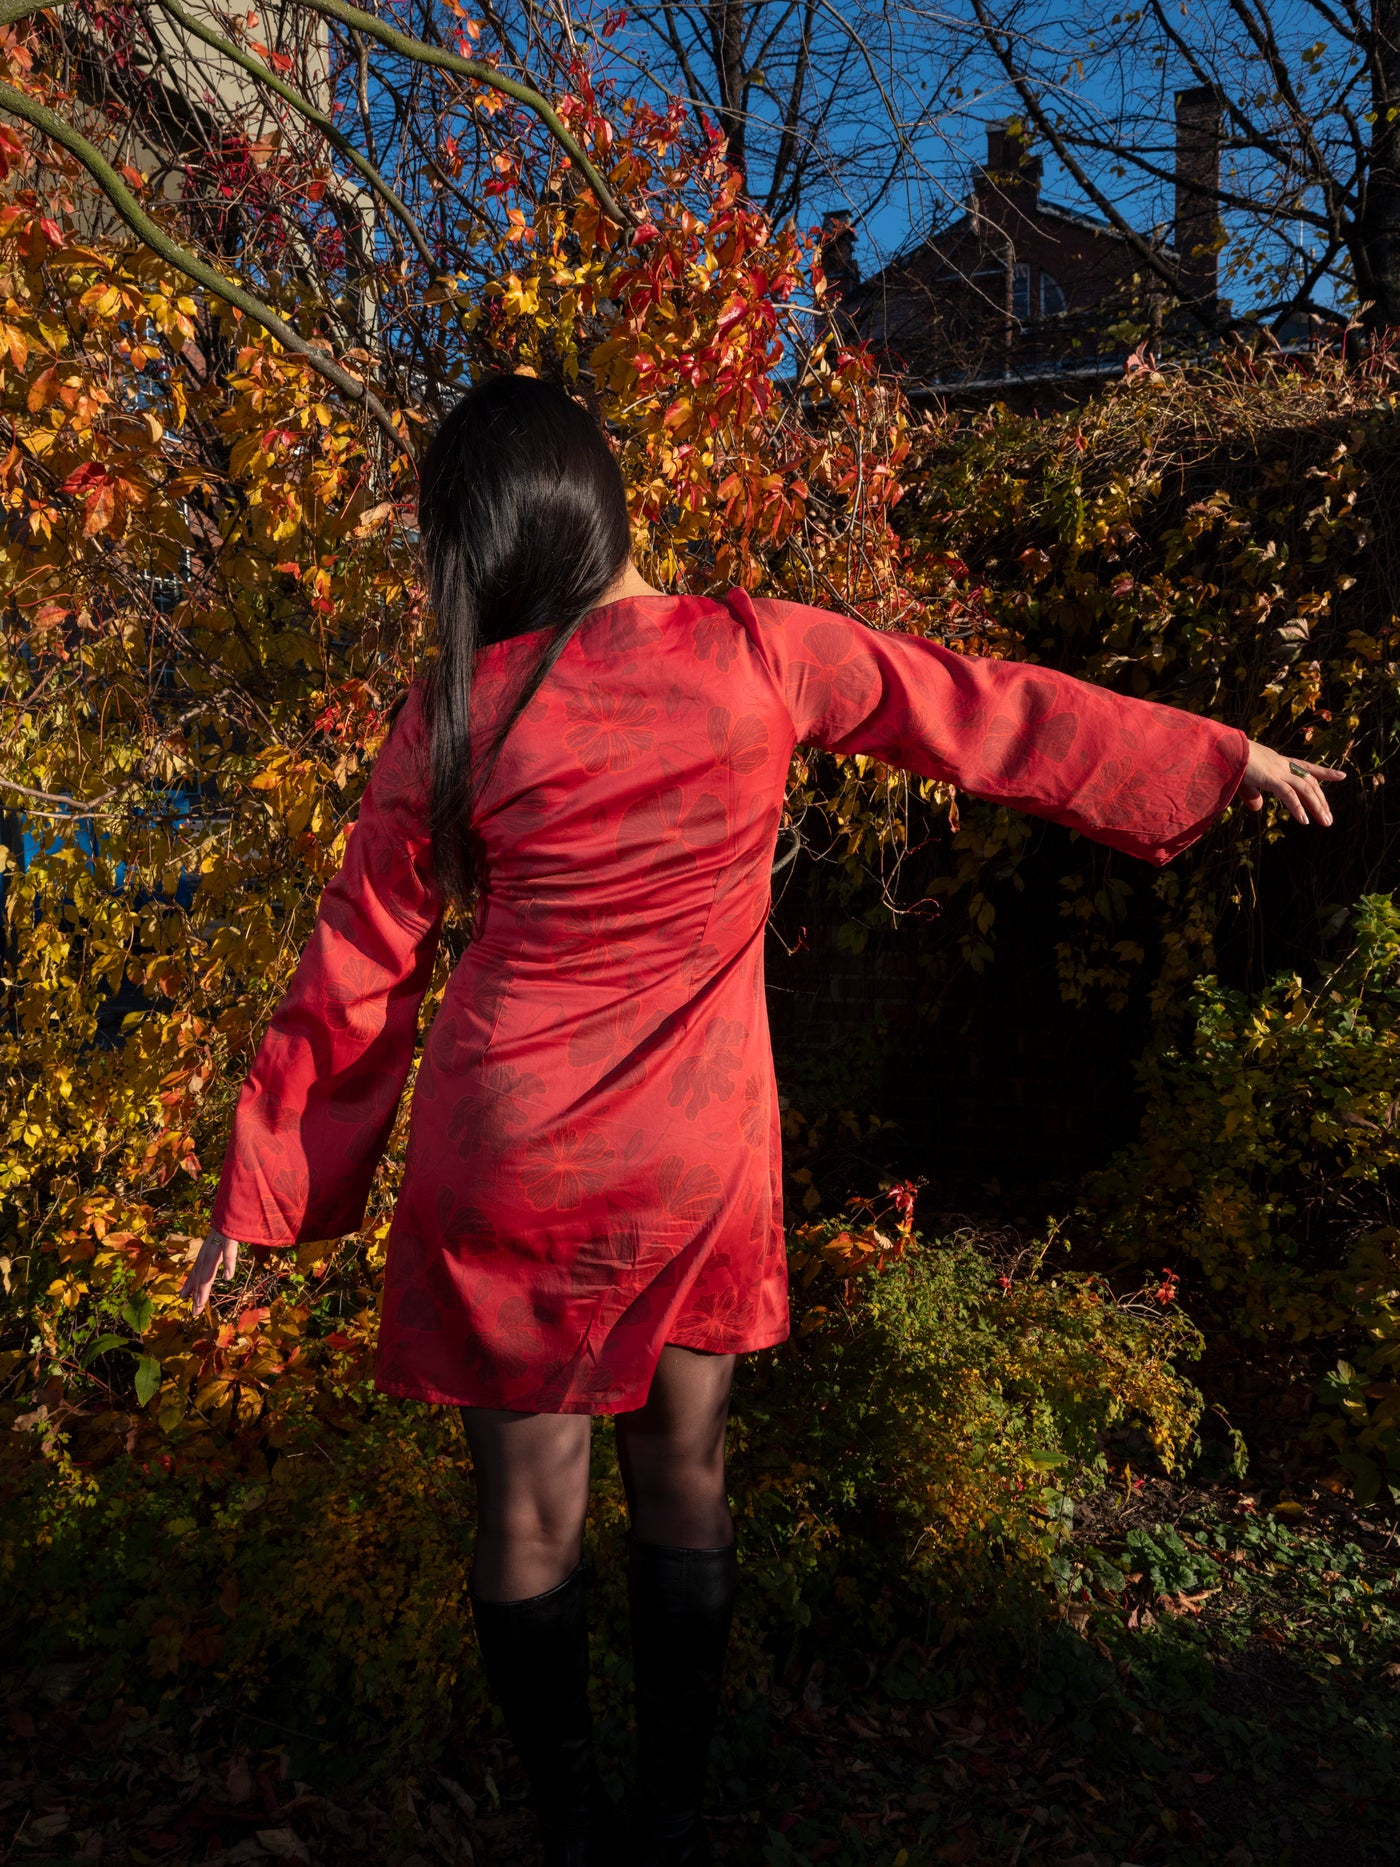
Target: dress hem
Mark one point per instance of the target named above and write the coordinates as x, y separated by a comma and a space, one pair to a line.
435, 1396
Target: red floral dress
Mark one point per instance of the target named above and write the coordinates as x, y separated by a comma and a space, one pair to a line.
593, 1158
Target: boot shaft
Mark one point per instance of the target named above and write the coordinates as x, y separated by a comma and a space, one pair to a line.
681, 1603
535, 1655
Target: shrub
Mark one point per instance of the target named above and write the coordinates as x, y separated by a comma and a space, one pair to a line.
324, 1585
1217, 540
916, 1447
1268, 1157
919, 1442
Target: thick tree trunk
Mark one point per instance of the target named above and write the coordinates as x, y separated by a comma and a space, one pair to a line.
1378, 257
726, 19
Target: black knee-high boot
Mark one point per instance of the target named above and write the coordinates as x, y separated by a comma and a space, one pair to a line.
535, 1653
682, 1604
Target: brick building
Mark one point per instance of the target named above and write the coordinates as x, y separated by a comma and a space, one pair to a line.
1019, 286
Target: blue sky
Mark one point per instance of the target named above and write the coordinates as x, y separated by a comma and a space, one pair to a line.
1095, 64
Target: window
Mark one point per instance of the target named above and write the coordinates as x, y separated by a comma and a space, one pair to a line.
1021, 292
1052, 298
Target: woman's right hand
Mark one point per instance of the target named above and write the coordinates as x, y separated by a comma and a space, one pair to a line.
218, 1249
1296, 783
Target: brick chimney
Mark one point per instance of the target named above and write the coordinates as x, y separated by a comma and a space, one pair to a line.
838, 254
1196, 227
1008, 169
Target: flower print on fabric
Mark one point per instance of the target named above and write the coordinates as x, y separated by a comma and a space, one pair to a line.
1043, 729
667, 829
594, 942
561, 1169
709, 1076
601, 1037
412, 1302
355, 997
689, 1193
701, 962
608, 730
503, 1101
423, 1286
622, 630
594, 1156
722, 1307
464, 1226
753, 1122
291, 1183
713, 638
1117, 792
740, 744
1203, 784
278, 1111
830, 674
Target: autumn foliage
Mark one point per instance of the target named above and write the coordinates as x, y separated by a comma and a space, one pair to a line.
213, 602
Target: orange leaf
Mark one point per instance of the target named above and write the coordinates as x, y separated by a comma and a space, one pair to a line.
99, 509
42, 390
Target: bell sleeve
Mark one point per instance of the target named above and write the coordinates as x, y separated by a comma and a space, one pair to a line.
315, 1111
1143, 778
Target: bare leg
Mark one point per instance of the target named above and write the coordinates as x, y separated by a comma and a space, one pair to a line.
528, 1589
681, 1576
671, 1452
531, 1499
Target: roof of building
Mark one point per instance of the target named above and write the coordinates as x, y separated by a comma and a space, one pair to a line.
1051, 210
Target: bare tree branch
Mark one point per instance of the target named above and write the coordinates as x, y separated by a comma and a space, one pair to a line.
114, 187
1151, 256
481, 73
303, 105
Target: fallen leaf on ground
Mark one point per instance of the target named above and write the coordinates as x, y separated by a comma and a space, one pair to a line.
284, 1844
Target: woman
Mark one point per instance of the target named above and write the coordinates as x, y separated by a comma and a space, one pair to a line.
590, 1219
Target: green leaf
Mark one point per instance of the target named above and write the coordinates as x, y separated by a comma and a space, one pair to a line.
1365, 1475
137, 1312
100, 1347
147, 1378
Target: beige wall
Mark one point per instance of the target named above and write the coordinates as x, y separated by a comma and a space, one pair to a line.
201, 96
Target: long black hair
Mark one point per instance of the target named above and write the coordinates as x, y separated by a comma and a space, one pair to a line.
523, 519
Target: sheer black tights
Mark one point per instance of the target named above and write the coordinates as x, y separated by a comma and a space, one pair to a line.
532, 1473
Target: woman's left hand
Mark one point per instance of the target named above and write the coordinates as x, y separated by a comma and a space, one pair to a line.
1293, 781
218, 1252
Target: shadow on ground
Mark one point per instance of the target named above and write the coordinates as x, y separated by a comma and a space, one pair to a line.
1223, 1687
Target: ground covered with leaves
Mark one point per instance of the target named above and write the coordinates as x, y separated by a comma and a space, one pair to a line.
1221, 1685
